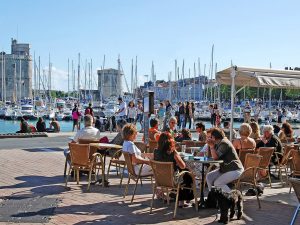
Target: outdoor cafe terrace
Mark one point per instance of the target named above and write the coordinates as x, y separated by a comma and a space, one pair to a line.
33, 190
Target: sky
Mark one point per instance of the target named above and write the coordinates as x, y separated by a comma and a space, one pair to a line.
251, 33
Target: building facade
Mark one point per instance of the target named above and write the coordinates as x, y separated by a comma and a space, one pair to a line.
110, 83
16, 73
182, 90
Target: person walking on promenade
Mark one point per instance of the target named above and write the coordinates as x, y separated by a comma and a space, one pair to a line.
247, 113
75, 117
122, 112
139, 117
131, 112
182, 115
168, 113
161, 115
188, 115
212, 115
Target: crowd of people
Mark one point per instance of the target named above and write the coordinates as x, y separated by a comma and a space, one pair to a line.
169, 130
25, 127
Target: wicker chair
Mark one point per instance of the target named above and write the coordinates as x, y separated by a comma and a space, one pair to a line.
296, 164
132, 174
249, 176
152, 146
141, 145
81, 141
243, 152
266, 153
283, 160
296, 186
163, 173
288, 140
199, 143
118, 163
80, 161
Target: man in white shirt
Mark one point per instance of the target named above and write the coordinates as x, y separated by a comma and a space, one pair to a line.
122, 112
88, 132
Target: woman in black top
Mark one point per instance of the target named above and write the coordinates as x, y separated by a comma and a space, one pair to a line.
188, 115
166, 152
41, 125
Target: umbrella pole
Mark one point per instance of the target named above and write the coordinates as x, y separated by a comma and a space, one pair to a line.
233, 74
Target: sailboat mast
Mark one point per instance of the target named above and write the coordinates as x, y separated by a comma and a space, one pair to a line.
2, 76
20, 78
211, 72
49, 79
182, 77
73, 78
135, 73
68, 77
132, 84
85, 70
89, 66
206, 88
189, 87
199, 71
78, 81
102, 80
194, 81
39, 80
91, 74
34, 77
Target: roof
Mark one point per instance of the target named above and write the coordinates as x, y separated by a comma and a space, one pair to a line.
255, 77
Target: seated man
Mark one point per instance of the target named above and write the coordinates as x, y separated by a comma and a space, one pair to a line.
118, 139
172, 127
226, 130
154, 133
54, 126
200, 128
269, 139
88, 132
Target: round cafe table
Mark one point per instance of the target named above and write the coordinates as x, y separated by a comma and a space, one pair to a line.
204, 161
102, 149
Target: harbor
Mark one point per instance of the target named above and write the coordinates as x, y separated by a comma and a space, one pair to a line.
149, 112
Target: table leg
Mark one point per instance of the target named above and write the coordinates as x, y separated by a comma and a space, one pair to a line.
202, 201
100, 179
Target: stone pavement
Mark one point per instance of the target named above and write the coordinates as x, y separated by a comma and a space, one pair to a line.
35, 169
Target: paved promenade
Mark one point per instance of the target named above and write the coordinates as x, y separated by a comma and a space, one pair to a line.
32, 174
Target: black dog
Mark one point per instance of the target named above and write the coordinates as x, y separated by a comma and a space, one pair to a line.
228, 201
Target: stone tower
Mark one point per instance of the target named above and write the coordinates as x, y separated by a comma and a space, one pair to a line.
110, 80
17, 75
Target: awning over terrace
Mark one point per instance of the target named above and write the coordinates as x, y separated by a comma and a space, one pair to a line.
253, 77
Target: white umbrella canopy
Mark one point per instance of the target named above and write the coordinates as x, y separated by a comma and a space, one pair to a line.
254, 77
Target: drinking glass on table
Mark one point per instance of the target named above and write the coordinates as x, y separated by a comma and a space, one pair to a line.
192, 151
183, 148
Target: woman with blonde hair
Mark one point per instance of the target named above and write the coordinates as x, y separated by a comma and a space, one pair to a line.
244, 142
255, 134
129, 133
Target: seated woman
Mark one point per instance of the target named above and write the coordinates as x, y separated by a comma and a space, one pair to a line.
24, 126
41, 125
166, 152
184, 136
129, 134
231, 168
285, 132
244, 142
255, 134
200, 128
